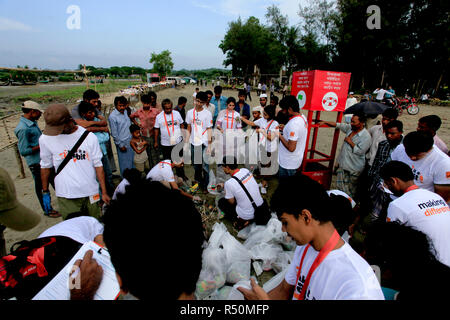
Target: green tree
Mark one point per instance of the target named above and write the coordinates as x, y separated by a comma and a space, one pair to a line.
162, 62
251, 43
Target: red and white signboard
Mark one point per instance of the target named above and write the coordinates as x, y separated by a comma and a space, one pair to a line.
319, 90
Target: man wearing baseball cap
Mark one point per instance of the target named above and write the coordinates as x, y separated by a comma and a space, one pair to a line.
76, 183
13, 214
28, 133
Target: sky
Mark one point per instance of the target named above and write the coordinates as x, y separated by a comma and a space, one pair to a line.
45, 33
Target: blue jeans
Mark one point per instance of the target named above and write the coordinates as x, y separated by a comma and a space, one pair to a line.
201, 170
126, 159
282, 172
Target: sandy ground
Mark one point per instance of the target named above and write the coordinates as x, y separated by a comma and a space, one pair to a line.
25, 187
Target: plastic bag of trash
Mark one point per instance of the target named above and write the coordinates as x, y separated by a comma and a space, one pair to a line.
266, 252
264, 234
288, 243
245, 232
219, 229
282, 261
224, 292
274, 281
212, 188
213, 273
257, 266
221, 176
235, 294
238, 259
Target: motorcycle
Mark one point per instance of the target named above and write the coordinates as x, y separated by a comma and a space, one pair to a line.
408, 103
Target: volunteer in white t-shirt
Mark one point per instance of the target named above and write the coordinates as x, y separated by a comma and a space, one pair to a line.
267, 129
236, 205
163, 173
76, 185
199, 122
418, 208
324, 266
292, 140
229, 124
168, 125
81, 229
430, 166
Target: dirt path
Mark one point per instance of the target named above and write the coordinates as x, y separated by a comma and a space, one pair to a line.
25, 187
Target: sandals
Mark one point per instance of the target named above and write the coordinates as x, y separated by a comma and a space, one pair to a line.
52, 214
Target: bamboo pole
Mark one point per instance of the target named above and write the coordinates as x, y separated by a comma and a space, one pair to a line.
16, 150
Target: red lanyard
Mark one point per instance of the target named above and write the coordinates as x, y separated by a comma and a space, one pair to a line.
167, 125
232, 120
235, 171
268, 126
195, 122
165, 163
327, 248
411, 188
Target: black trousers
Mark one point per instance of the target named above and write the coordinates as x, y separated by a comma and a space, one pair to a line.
228, 209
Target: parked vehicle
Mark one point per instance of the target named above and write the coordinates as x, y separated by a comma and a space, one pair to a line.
408, 103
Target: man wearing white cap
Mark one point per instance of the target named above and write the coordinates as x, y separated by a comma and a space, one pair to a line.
351, 100
28, 133
263, 100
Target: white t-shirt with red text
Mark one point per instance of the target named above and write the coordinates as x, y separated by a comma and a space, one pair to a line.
342, 275
432, 169
233, 189
162, 172
427, 212
169, 127
199, 122
296, 130
78, 179
268, 126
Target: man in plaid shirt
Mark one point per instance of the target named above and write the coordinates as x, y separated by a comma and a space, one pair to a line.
380, 199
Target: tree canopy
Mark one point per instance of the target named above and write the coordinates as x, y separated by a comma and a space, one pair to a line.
410, 50
162, 62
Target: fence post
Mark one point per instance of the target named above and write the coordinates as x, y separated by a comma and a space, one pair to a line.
19, 160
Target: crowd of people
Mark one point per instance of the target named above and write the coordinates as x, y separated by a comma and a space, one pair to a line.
392, 197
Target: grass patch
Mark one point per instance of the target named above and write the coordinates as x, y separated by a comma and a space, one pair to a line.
74, 93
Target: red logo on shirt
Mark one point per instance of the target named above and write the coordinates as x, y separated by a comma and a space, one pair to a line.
291, 134
447, 174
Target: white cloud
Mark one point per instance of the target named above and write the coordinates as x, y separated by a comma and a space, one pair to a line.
12, 25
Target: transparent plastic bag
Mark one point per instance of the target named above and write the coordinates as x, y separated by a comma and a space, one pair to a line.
235, 294
219, 229
282, 261
238, 259
213, 273
268, 253
270, 233
224, 292
212, 187
245, 232
274, 281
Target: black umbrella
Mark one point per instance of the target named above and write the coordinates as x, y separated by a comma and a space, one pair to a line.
368, 107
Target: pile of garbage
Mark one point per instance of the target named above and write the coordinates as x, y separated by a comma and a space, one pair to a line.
227, 263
